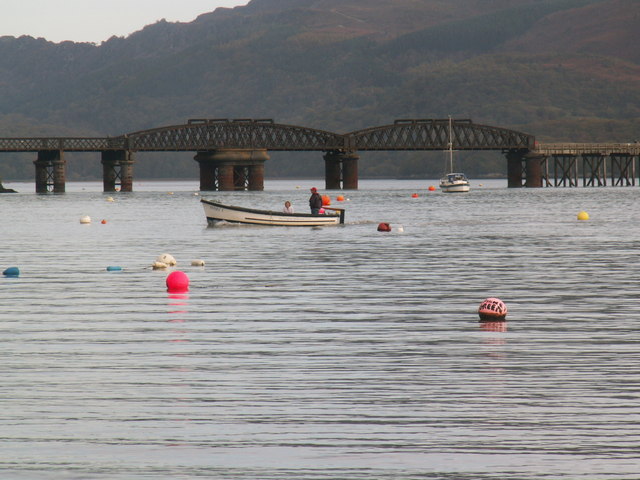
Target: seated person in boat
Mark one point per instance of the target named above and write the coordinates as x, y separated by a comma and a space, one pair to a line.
288, 208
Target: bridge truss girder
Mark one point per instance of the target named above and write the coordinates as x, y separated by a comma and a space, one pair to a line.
210, 135
433, 134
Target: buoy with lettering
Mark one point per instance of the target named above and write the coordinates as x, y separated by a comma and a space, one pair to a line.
492, 310
12, 272
86, 219
177, 282
432, 188
384, 227
326, 200
583, 216
415, 195
340, 198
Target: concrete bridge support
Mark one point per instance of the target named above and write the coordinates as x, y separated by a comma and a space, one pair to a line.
117, 170
515, 158
533, 170
341, 170
228, 170
50, 171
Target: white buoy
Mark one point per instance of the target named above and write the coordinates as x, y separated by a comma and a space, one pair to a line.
166, 259
197, 263
159, 266
85, 219
110, 199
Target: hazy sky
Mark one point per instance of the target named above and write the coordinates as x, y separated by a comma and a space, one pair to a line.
96, 20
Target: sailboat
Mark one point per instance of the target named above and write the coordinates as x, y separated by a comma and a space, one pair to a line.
452, 181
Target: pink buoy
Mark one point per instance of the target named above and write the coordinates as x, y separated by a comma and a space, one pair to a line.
492, 309
177, 282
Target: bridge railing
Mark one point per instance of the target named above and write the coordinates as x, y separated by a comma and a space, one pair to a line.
587, 148
69, 144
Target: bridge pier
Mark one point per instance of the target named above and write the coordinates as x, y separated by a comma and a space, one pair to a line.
228, 170
566, 165
524, 169
622, 170
341, 170
533, 170
117, 170
594, 170
515, 171
50, 171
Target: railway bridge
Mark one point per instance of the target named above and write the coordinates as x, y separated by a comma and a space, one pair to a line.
232, 153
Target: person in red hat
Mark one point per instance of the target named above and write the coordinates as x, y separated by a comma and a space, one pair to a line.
315, 201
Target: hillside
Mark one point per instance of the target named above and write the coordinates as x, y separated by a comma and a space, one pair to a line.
563, 70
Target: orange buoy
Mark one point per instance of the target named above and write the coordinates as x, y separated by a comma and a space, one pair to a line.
415, 195
340, 198
103, 222
384, 227
326, 200
492, 310
432, 188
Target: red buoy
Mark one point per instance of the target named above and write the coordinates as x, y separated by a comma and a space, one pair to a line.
415, 195
177, 282
492, 310
384, 227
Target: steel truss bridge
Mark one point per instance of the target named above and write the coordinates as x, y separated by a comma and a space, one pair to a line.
247, 134
219, 143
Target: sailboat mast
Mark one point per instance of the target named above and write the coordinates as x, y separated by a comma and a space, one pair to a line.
450, 145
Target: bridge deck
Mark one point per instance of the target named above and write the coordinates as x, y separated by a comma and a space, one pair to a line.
549, 149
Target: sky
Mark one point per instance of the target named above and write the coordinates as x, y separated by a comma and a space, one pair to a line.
96, 20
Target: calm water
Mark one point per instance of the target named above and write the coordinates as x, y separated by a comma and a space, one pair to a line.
334, 353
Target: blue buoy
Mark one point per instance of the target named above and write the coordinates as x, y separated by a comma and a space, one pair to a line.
114, 269
12, 272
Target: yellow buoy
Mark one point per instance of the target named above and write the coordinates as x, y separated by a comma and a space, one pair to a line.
583, 216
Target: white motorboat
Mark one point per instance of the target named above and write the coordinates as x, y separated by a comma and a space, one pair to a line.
217, 212
453, 182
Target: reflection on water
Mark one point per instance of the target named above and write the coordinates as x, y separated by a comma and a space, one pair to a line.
325, 353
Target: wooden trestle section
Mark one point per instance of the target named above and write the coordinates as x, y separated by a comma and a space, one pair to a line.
572, 165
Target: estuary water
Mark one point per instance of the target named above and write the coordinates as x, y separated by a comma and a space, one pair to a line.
328, 353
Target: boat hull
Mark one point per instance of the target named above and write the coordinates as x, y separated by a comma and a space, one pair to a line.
462, 188
454, 183
217, 213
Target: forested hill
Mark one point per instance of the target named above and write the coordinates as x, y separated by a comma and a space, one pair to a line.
559, 69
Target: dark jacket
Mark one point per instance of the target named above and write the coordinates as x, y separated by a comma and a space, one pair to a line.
315, 201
